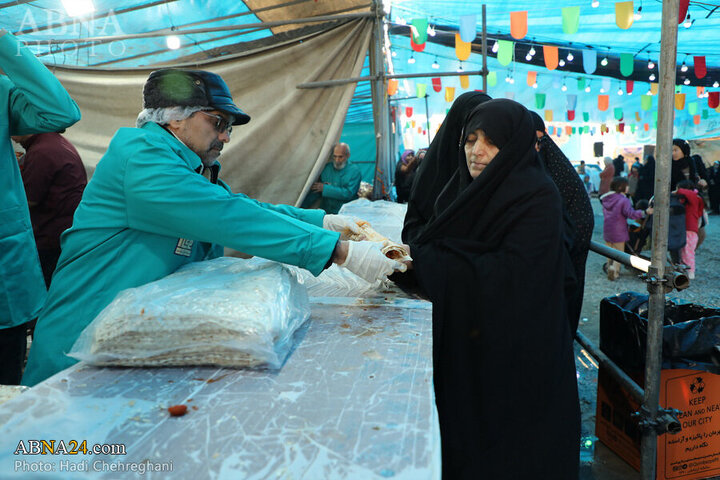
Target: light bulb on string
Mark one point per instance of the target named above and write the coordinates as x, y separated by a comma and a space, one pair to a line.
651, 64
595, 4
460, 69
687, 81
512, 80
535, 85
411, 60
652, 77
638, 14
570, 57
587, 88
435, 64
688, 23
716, 84
401, 21
561, 62
495, 47
604, 62
173, 42
602, 90
620, 91
684, 67
528, 57
394, 53
431, 31
563, 88
532, 51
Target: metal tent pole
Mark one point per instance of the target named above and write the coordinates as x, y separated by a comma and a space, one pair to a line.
380, 106
656, 272
484, 49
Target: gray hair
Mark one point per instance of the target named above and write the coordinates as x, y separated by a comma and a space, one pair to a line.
163, 116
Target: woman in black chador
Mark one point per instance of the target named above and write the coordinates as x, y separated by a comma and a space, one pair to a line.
492, 260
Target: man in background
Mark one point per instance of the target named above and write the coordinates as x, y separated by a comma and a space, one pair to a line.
54, 179
339, 182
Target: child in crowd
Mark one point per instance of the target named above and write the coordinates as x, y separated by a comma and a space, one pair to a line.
693, 213
616, 211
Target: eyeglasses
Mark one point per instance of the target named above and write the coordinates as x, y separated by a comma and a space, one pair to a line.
221, 125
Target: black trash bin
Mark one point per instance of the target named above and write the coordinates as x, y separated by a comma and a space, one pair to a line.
690, 382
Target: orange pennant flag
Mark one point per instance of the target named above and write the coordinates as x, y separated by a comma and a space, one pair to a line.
568, 130
646, 127
696, 119
550, 54
603, 102
700, 91
531, 78
413, 123
653, 88
462, 49
637, 116
679, 101
518, 24
392, 86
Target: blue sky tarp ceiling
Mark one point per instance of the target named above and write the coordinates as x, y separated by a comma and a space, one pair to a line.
569, 84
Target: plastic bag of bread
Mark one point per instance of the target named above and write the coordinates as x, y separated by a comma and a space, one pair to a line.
225, 312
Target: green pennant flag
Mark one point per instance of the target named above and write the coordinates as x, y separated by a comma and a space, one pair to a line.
573, 130
570, 20
618, 113
419, 30
632, 128
655, 117
539, 100
646, 102
586, 128
421, 90
492, 79
626, 64
407, 124
581, 83
505, 52
705, 114
693, 108
586, 116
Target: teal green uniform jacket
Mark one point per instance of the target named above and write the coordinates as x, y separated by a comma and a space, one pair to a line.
32, 100
145, 212
341, 186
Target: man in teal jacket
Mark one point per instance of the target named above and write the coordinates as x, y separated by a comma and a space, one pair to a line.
32, 100
155, 203
339, 182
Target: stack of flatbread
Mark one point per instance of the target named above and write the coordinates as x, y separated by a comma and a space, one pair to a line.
393, 250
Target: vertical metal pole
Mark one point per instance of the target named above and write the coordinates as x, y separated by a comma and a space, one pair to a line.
380, 110
484, 49
663, 152
427, 118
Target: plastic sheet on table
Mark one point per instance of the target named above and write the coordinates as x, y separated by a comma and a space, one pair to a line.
226, 312
385, 217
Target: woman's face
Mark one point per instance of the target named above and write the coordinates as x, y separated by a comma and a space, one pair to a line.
677, 154
479, 152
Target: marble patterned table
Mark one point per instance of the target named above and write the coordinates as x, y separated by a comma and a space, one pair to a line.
354, 400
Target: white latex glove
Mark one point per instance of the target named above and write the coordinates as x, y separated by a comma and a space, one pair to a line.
342, 224
366, 260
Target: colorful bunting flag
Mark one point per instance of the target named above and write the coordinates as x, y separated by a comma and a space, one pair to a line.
618, 113
605, 82
468, 28
465, 80
420, 90
408, 112
621, 127
705, 114
700, 68
586, 116
568, 130
581, 84
571, 102
653, 88
646, 102
449, 94
629, 86
506, 48
700, 91
570, 20
392, 87
646, 127
714, 99
603, 102
548, 115
539, 101
415, 47
683, 10
696, 119
626, 63
491, 79
462, 49
624, 14
550, 54
571, 115
419, 30
637, 116
551, 130
437, 84
518, 24
531, 78
692, 108
679, 101
589, 61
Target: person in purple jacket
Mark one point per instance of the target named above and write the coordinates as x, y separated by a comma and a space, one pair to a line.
616, 211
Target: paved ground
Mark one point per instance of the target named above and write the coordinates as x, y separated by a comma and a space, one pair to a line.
598, 462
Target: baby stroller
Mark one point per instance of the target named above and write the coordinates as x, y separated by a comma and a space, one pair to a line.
640, 233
